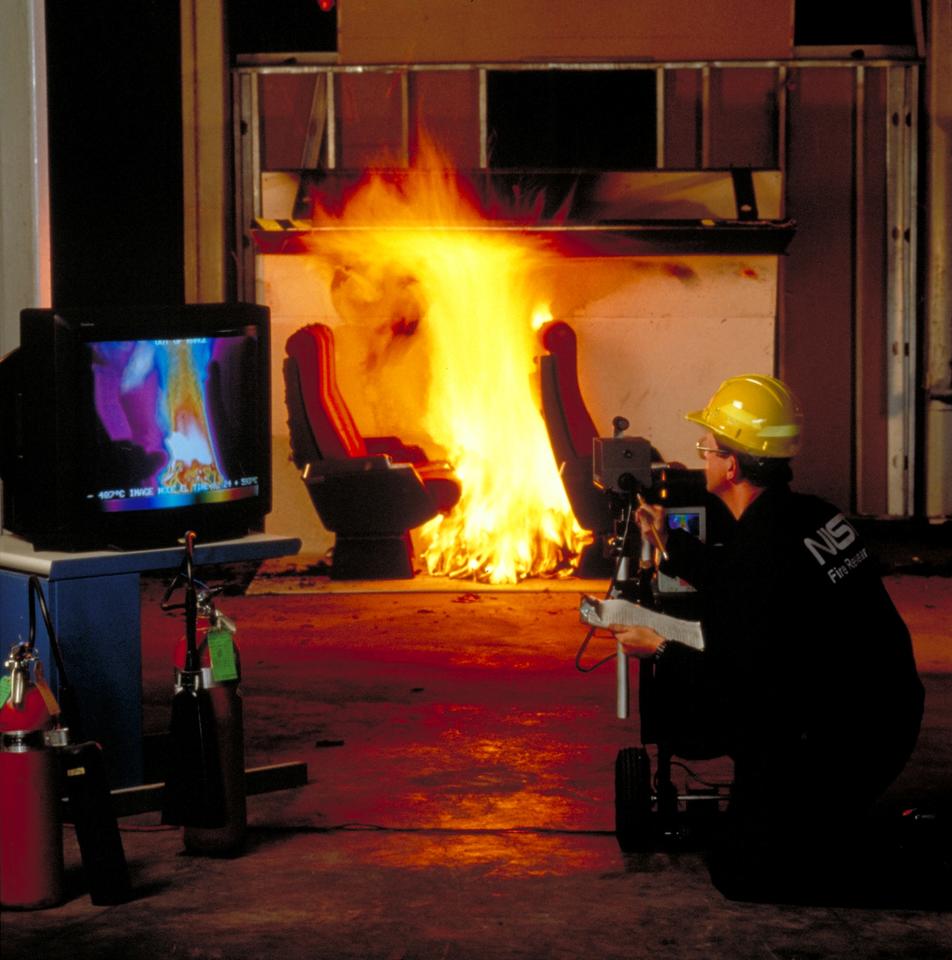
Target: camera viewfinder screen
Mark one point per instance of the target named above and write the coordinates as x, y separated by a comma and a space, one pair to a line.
690, 520
171, 422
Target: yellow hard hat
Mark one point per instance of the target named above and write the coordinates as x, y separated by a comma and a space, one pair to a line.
754, 414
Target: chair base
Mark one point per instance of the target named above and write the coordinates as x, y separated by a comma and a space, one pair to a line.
372, 558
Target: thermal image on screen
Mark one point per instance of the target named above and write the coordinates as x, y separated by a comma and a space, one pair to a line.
165, 423
689, 520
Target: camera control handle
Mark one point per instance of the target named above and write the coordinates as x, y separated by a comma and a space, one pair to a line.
621, 425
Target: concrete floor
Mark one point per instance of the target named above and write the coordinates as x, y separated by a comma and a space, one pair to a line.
460, 799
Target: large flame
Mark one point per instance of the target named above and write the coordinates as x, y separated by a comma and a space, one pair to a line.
454, 298
191, 463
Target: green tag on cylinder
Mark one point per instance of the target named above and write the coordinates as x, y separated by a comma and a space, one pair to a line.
221, 649
5, 685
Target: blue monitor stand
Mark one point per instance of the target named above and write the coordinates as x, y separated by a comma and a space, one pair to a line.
94, 604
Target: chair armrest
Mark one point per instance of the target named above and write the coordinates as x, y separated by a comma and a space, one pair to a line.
352, 465
441, 483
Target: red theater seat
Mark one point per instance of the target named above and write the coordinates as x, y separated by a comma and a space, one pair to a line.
571, 432
369, 491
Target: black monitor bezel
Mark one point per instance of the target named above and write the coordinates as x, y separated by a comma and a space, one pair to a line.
53, 511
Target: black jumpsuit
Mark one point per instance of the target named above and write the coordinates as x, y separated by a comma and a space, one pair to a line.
807, 682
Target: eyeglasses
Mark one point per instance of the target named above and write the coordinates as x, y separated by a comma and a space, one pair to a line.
702, 451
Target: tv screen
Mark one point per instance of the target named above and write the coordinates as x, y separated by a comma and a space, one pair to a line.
134, 425
168, 433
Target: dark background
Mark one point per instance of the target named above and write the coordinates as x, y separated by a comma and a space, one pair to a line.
115, 142
115, 137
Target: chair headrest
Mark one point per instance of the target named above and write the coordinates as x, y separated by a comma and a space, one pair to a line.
558, 337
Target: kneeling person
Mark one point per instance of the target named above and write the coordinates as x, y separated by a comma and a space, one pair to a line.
807, 680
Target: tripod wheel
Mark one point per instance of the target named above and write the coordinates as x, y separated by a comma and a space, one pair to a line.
633, 799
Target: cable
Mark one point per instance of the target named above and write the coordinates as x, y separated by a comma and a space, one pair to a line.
581, 651
694, 776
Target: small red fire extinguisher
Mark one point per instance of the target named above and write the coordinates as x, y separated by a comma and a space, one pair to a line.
31, 830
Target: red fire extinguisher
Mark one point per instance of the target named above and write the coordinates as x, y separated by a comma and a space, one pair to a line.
31, 831
205, 783
221, 676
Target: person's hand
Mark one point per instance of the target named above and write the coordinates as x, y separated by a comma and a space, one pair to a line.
650, 520
640, 642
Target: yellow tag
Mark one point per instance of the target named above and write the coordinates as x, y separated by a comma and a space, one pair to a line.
76, 772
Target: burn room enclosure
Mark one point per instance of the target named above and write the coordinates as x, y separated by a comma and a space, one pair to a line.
826, 153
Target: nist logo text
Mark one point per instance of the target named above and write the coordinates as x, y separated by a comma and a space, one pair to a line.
832, 539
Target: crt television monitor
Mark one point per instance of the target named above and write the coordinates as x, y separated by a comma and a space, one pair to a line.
126, 426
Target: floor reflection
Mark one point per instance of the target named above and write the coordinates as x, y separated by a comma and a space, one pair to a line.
503, 854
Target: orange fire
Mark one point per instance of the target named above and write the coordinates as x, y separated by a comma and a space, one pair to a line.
449, 301
191, 458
